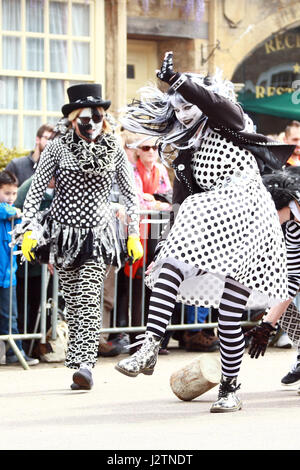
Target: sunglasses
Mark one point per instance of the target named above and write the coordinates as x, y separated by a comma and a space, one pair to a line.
146, 148
96, 118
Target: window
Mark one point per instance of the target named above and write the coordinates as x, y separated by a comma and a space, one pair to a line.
45, 46
130, 71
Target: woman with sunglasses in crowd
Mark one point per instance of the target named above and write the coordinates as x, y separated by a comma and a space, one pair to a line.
225, 248
78, 234
151, 176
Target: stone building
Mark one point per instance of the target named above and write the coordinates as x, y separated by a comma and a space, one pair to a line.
46, 45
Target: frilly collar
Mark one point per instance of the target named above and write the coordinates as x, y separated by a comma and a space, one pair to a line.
96, 158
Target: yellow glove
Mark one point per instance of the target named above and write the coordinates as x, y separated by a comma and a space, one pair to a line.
134, 247
28, 244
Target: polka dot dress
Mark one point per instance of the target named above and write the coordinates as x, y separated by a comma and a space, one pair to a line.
232, 229
84, 174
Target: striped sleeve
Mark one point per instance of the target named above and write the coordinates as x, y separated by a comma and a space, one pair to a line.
292, 238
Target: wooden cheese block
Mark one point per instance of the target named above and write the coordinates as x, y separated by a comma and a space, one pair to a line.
196, 378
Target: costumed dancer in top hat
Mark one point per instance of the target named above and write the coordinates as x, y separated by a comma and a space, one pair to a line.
78, 234
284, 187
226, 247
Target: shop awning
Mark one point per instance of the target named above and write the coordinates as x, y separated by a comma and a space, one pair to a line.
277, 105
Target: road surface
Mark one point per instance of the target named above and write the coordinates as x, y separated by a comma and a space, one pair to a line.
39, 411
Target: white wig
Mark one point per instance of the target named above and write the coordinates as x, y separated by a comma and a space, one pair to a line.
153, 114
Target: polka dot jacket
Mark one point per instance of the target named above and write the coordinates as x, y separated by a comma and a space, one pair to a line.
81, 210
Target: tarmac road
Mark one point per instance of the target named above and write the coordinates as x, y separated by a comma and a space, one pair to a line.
39, 411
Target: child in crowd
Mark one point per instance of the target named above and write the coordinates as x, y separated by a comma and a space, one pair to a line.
9, 213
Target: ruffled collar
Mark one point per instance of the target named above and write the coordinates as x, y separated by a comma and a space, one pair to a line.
96, 158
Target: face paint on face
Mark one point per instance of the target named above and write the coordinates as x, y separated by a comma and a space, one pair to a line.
295, 209
186, 113
90, 122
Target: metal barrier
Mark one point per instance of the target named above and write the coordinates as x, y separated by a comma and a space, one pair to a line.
49, 306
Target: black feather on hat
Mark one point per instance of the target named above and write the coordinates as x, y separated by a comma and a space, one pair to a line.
84, 95
284, 186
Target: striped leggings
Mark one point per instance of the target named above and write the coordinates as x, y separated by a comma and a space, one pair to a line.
231, 308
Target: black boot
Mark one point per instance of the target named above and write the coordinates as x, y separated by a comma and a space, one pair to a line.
82, 380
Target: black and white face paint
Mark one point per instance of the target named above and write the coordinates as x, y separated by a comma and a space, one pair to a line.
90, 122
186, 113
295, 209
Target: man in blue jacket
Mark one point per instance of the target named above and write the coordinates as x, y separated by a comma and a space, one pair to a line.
9, 215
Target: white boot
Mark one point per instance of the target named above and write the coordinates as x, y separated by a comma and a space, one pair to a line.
227, 399
144, 359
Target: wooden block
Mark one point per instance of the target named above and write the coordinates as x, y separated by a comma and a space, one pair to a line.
196, 378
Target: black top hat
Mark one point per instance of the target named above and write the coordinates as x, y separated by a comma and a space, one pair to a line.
84, 95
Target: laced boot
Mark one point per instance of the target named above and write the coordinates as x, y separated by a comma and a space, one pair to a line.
144, 359
227, 399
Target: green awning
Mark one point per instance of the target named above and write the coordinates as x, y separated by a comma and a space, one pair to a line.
277, 105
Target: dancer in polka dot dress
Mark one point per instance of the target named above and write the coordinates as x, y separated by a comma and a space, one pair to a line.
284, 187
78, 234
225, 248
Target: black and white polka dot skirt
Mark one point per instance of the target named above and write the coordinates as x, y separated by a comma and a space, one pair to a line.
233, 231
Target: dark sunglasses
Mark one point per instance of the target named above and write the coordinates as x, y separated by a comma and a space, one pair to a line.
146, 148
96, 118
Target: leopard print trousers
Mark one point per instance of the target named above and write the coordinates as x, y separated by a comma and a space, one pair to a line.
81, 288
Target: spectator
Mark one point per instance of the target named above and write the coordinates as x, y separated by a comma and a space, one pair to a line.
8, 194
118, 341
129, 140
154, 191
114, 343
203, 340
292, 137
23, 167
151, 177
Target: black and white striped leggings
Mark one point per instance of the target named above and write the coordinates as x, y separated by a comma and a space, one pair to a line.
232, 306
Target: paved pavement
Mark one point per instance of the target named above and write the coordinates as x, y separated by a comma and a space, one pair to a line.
38, 410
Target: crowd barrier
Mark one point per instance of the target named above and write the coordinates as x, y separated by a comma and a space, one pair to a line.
50, 305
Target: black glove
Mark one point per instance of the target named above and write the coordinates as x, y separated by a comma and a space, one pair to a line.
166, 73
260, 335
